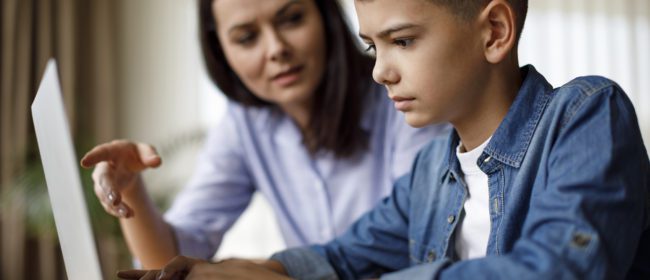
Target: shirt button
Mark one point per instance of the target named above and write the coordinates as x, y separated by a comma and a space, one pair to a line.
581, 240
451, 219
431, 256
487, 159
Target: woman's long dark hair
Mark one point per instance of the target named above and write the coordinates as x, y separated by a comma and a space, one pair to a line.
336, 113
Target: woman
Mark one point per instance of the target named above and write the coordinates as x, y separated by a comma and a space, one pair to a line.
305, 126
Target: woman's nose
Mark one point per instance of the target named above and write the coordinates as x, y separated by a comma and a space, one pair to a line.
277, 46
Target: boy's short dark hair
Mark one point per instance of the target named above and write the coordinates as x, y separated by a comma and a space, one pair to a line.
468, 9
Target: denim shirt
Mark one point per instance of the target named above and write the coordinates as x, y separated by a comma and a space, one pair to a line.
568, 178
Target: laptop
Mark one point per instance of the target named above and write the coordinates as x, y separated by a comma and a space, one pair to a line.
62, 179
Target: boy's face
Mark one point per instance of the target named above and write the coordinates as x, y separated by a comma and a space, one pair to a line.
430, 61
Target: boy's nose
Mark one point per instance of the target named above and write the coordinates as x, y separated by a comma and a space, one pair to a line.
384, 74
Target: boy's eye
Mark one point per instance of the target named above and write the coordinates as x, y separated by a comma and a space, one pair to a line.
371, 49
403, 42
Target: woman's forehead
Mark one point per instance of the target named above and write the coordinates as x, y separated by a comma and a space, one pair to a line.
242, 11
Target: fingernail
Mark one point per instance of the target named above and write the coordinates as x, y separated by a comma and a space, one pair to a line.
121, 211
111, 196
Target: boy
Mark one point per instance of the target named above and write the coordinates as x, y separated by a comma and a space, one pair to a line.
534, 182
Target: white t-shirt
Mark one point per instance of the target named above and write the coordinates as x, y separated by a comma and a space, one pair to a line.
474, 229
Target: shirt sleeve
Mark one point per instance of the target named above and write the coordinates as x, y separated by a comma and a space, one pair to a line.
588, 222
305, 263
376, 243
218, 192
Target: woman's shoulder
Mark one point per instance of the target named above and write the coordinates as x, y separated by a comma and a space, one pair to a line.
247, 115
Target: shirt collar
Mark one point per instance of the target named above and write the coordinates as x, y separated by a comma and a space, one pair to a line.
513, 136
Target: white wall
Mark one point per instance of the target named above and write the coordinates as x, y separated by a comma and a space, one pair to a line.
158, 60
566, 39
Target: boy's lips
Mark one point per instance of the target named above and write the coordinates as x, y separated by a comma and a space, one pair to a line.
403, 103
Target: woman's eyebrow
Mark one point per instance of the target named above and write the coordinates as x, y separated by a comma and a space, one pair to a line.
286, 7
279, 13
239, 26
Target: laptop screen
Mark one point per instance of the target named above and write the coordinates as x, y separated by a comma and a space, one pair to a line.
62, 178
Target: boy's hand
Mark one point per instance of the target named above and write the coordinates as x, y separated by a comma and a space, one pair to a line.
178, 268
194, 269
117, 172
138, 274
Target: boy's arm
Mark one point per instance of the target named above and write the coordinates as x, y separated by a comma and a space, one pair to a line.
376, 243
588, 222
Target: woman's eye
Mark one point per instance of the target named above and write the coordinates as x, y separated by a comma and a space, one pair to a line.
292, 19
245, 39
403, 42
297, 17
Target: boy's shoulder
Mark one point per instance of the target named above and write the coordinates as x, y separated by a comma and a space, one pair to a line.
587, 93
586, 87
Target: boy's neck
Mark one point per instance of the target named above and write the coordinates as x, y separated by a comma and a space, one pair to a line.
483, 116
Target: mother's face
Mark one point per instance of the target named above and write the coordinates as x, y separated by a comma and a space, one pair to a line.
276, 47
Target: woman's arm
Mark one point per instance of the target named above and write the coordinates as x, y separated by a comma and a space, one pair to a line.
149, 237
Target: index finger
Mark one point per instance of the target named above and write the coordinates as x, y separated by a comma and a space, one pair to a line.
96, 155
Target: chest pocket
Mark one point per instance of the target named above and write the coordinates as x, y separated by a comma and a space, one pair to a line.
419, 253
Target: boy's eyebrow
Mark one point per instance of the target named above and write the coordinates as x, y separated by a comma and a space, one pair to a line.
280, 12
390, 30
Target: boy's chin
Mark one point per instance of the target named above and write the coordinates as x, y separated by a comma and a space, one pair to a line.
417, 120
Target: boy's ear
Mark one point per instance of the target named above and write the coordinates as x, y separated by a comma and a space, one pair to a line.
498, 23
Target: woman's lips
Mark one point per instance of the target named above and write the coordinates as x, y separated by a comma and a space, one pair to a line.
289, 77
403, 103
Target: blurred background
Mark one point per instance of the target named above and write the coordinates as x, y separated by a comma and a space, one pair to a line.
132, 69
